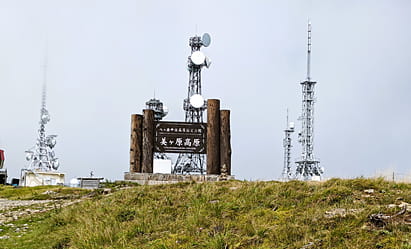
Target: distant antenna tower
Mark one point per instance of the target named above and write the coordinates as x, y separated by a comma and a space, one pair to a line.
194, 104
41, 157
287, 174
160, 111
308, 166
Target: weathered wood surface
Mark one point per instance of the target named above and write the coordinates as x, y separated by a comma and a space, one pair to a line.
213, 136
148, 141
225, 141
136, 143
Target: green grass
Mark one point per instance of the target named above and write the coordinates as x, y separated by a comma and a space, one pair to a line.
231, 214
41, 193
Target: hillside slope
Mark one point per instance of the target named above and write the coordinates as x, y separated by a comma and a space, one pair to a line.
233, 214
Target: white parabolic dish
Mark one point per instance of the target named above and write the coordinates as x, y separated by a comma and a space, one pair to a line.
198, 58
197, 101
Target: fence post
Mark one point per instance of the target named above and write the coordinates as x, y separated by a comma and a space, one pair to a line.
225, 144
148, 141
213, 137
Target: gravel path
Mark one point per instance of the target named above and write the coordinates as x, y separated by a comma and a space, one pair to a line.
10, 204
11, 210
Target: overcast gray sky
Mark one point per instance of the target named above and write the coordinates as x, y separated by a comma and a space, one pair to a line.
105, 58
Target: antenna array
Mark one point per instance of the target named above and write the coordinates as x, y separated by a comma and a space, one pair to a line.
194, 105
41, 157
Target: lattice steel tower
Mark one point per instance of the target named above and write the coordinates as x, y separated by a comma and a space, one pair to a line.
308, 166
194, 105
287, 174
42, 157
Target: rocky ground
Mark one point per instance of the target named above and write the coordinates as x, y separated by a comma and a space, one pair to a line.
11, 211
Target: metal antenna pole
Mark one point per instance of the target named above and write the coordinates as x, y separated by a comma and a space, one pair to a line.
309, 52
193, 163
307, 165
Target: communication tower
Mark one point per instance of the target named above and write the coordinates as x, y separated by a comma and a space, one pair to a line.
160, 111
308, 166
194, 105
287, 174
41, 157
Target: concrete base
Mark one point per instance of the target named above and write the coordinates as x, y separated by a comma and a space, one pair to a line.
40, 178
157, 178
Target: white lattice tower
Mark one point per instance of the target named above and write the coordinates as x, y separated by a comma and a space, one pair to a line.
193, 163
307, 165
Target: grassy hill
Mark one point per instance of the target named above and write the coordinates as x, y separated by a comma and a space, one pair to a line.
232, 214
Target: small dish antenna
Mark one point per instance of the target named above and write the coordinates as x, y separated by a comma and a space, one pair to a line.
206, 40
45, 117
197, 101
29, 155
198, 58
207, 62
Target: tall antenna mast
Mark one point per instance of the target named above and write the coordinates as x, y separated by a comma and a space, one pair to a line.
287, 175
41, 157
45, 65
44, 95
308, 167
194, 105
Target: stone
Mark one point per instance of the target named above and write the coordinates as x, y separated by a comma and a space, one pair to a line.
340, 212
107, 191
406, 206
49, 192
336, 212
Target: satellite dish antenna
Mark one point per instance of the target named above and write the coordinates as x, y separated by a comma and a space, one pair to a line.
207, 62
45, 117
206, 40
197, 101
55, 164
29, 155
198, 58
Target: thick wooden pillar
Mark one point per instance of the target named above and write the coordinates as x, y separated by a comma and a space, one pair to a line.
213, 137
148, 141
225, 140
136, 143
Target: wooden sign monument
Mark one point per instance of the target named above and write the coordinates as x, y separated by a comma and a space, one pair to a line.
211, 138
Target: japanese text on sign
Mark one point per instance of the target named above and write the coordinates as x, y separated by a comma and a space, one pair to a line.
178, 137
